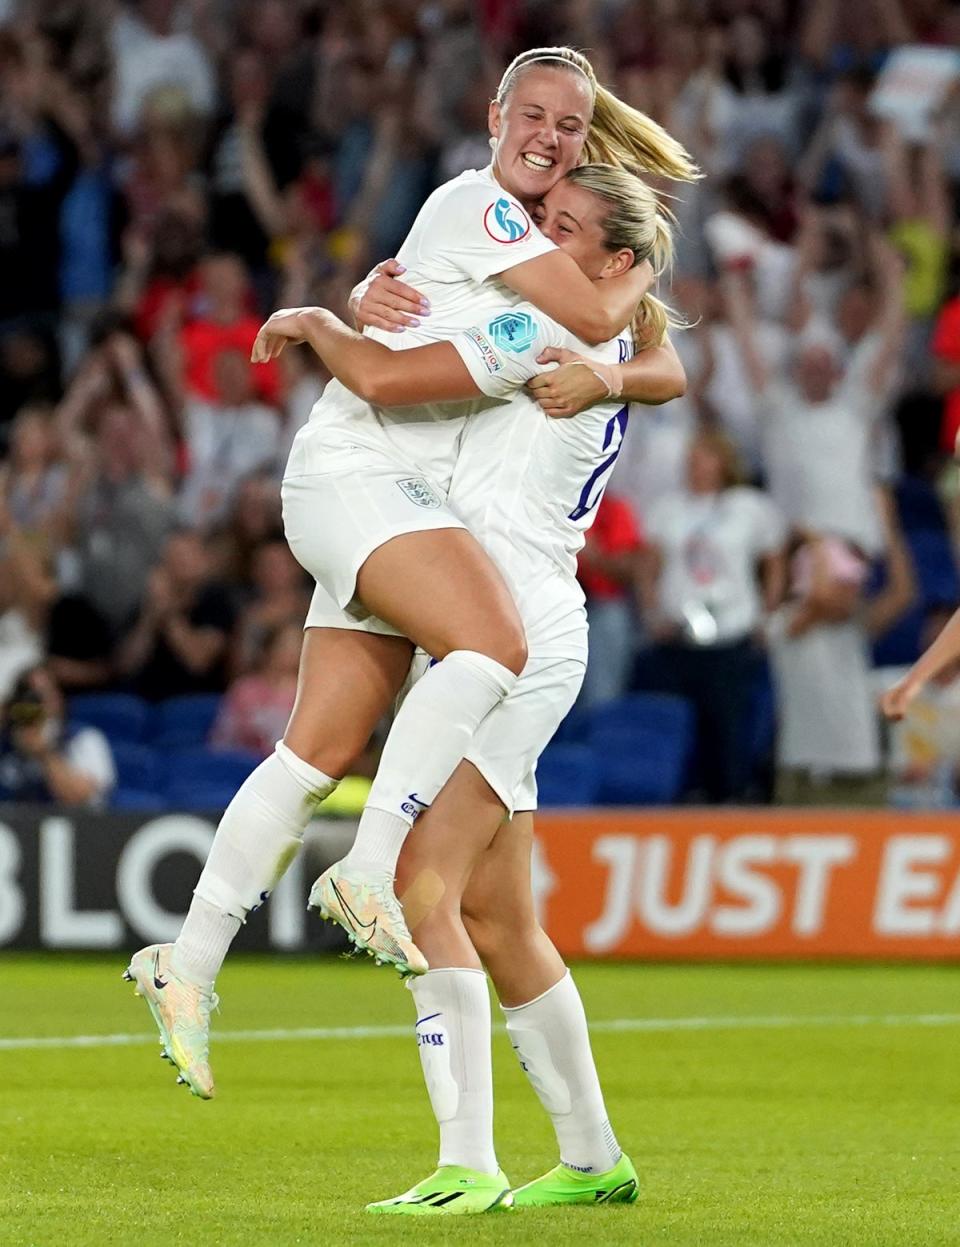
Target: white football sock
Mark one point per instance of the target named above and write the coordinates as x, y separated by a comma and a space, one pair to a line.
453, 1037
430, 735
259, 835
549, 1035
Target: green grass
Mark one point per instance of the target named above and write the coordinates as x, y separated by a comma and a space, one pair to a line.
803, 1134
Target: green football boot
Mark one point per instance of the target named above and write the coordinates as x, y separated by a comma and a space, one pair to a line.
451, 1191
563, 1185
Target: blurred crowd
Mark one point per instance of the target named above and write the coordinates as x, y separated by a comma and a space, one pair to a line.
172, 170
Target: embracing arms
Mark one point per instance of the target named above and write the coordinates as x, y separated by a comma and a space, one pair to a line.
433, 373
372, 371
653, 376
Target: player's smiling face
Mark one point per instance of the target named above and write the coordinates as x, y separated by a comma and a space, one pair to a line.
573, 218
540, 129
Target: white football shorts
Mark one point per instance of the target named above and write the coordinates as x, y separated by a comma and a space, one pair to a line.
333, 522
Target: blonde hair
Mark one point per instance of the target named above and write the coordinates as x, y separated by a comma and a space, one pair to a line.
618, 135
635, 220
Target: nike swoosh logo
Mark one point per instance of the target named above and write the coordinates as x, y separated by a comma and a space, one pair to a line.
157, 981
355, 922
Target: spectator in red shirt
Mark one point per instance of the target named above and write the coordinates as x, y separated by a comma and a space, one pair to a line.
607, 572
224, 321
946, 355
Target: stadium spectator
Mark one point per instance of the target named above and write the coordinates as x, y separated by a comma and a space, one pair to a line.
712, 568
113, 423
34, 478
828, 743
44, 760
225, 440
253, 519
608, 570
946, 355
257, 706
178, 641
820, 424
158, 67
278, 595
221, 319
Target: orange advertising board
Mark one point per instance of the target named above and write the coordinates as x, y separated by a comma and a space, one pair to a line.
750, 883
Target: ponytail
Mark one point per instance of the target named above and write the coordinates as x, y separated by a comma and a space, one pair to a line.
623, 136
654, 318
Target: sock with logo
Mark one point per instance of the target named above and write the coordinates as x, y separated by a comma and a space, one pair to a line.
259, 835
429, 738
549, 1035
453, 1038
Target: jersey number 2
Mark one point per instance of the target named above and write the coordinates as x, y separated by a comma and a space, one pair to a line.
592, 491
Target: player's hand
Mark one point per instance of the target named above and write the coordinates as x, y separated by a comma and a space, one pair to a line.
282, 327
569, 389
895, 702
386, 303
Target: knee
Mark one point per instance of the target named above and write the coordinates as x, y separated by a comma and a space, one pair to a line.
496, 935
509, 648
329, 757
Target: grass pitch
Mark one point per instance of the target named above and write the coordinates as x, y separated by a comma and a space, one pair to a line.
762, 1105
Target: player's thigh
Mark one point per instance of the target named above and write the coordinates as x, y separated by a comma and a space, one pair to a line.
387, 545
440, 588
347, 682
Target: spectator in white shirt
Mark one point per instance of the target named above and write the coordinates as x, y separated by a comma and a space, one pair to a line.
820, 423
713, 565
226, 441
151, 55
828, 742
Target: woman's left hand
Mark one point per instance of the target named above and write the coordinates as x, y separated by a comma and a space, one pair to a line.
282, 327
569, 389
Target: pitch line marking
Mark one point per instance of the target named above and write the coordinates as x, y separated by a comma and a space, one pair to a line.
610, 1026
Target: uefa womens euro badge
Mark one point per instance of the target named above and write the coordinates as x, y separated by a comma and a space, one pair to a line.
506, 222
513, 331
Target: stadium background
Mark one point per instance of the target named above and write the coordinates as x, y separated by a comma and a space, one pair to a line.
169, 173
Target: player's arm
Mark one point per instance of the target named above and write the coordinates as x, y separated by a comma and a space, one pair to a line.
423, 374
552, 282
653, 376
944, 651
495, 361
595, 312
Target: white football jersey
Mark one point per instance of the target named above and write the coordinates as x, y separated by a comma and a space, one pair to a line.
528, 486
467, 232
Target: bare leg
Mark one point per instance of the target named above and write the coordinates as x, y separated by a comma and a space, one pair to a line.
436, 862
501, 921
347, 683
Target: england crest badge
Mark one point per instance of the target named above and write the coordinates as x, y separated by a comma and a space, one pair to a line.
420, 492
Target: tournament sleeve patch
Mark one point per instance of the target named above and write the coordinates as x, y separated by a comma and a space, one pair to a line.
490, 358
513, 331
505, 221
